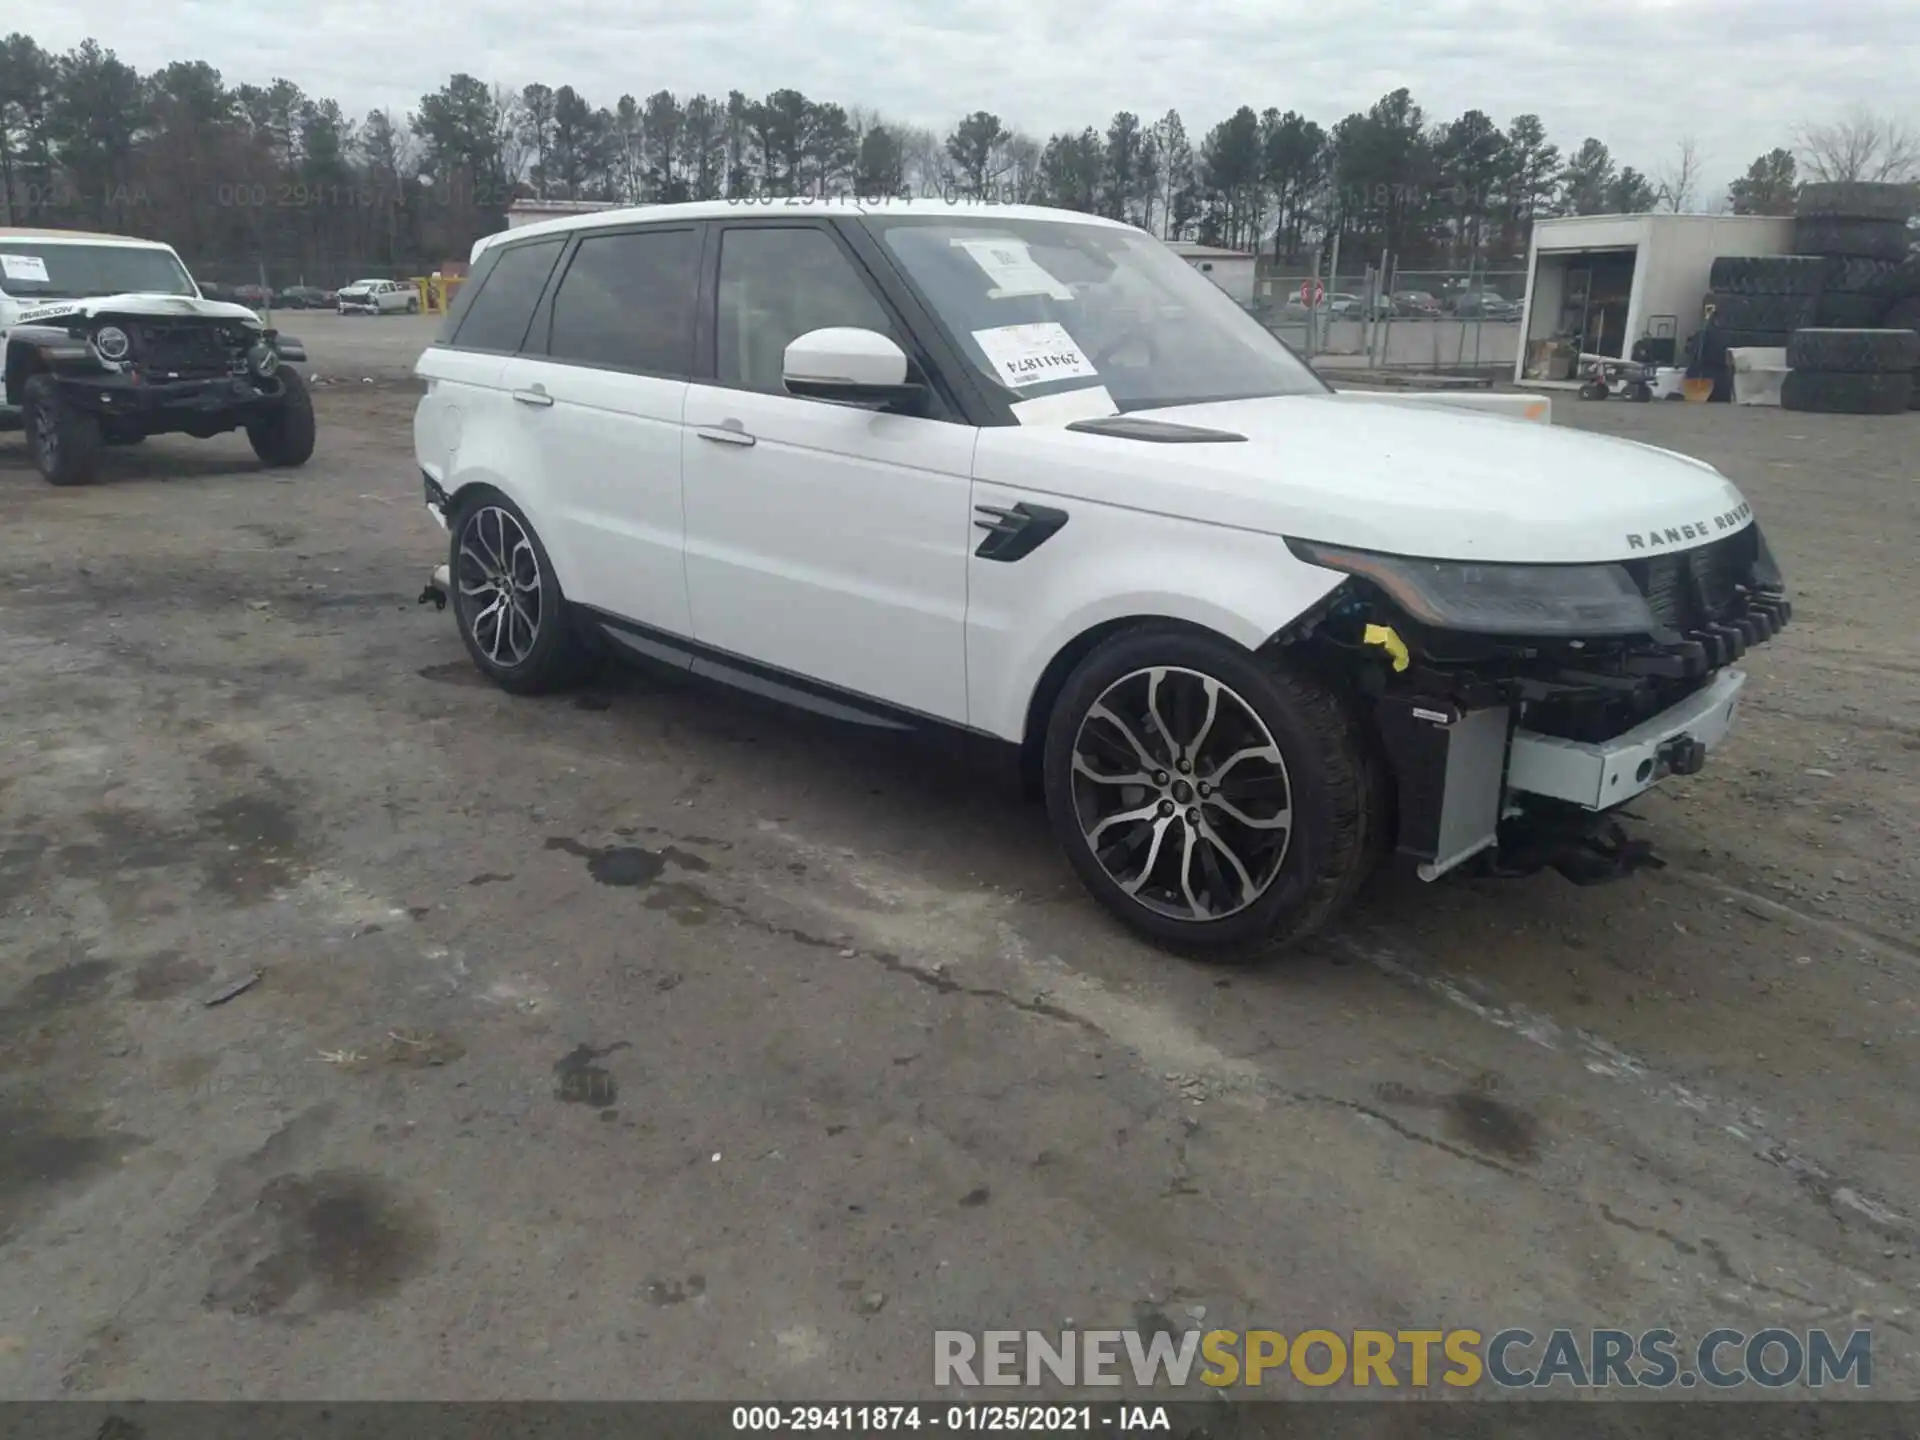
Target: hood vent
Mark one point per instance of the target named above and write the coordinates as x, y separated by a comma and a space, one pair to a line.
1157, 432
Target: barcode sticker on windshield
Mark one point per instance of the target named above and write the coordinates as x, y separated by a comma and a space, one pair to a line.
23, 267
1013, 270
1024, 355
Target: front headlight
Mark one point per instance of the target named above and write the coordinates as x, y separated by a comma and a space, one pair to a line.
112, 342
1520, 600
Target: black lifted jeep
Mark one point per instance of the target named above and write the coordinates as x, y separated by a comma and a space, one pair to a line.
108, 341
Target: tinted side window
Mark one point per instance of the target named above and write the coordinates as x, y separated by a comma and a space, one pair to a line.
627, 302
775, 285
497, 317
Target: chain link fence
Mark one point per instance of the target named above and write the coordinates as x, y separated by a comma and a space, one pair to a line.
283, 280
1442, 320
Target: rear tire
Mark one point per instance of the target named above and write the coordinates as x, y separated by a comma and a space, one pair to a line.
284, 436
1217, 878
64, 439
513, 618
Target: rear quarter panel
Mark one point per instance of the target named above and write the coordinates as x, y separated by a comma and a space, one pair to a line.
468, 431
1108, 563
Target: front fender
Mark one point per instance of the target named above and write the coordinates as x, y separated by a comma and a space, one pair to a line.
1108, 563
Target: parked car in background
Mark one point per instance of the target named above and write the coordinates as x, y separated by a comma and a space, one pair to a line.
259, 297
378, 297
1415, 305
1481, 305
303, 297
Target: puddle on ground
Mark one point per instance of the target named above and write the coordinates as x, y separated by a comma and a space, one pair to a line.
341, 1239
629, 866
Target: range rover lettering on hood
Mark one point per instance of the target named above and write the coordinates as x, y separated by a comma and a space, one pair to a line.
1690, 534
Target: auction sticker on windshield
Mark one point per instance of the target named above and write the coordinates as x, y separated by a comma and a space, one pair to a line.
1023, 355
1013, 270
24, 267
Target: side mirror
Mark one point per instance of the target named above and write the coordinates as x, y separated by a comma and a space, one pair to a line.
848, 366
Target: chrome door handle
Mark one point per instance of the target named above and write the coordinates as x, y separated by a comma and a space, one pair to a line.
535, 396
727, 432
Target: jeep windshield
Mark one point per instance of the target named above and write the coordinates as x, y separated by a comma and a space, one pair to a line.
33, 269
1043, 307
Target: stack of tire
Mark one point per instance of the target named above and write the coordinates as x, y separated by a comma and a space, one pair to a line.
1756, 301
1859, 353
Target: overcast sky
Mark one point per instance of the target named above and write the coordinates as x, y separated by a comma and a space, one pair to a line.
1736, 74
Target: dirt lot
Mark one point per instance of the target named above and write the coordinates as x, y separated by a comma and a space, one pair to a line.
654, 1043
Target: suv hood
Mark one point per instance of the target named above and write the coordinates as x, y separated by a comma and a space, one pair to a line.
1402, 480
155, 306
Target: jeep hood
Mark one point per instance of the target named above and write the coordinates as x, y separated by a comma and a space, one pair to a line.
153, 306
1403, 480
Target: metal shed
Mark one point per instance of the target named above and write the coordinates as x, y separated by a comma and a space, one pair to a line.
1601, 282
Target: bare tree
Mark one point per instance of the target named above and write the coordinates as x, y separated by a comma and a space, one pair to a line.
1862, 145
1676, 181
929, 167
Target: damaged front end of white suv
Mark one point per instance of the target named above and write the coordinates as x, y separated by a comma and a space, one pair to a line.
1521, 706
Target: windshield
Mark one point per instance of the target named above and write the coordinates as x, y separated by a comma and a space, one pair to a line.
1042, 307
39, 270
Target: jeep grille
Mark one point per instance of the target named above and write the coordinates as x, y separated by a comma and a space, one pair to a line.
182, 349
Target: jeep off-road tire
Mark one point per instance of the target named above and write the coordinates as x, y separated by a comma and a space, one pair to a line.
1858, 275
1307, 752
1856, 200
1766, 274
1847, 392
1865, 352
283, 437
65, 441
1867, 239
1778, 313
507, 603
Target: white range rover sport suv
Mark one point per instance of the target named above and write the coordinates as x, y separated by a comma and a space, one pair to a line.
1026, 473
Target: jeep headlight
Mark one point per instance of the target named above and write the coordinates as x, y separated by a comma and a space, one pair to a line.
1497, 599
112, 342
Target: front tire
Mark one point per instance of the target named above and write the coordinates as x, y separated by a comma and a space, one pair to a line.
1219, 804
507, 601
284, 436
65, 440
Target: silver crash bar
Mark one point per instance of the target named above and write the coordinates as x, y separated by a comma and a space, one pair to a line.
1601, 776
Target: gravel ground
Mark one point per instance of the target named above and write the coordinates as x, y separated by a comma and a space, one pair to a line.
656, 1043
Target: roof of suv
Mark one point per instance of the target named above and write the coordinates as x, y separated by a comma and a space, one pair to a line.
91, 237
795, 208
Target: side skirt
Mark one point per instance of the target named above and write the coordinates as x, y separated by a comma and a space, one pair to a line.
645, 645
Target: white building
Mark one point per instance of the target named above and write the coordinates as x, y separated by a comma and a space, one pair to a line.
1231, 270
526, 212
1602, 282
